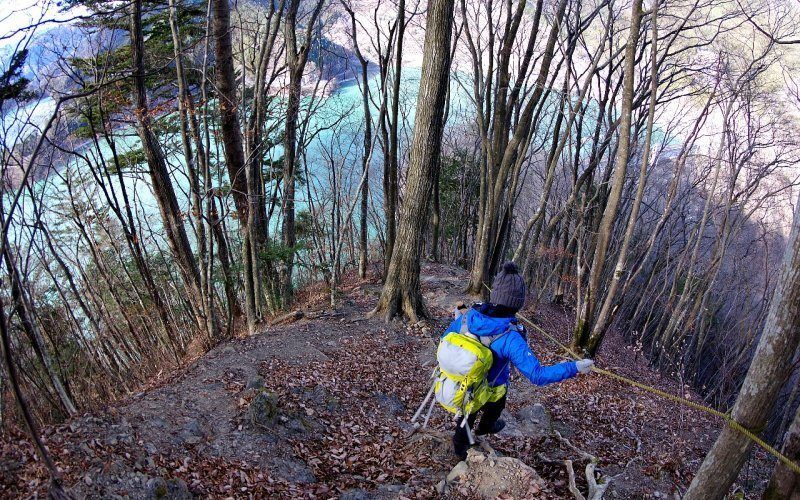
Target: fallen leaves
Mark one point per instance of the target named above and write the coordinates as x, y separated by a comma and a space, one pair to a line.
344, 416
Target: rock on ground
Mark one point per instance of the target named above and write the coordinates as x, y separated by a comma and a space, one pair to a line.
529, 421
485, 475
263, 409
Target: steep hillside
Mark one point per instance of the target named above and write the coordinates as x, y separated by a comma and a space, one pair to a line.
319, 408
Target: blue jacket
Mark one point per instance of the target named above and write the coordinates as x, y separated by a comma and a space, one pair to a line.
511, 348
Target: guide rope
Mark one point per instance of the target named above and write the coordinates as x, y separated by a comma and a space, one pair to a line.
729, 420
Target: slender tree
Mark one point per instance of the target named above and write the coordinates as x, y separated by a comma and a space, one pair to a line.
588, 303
162, 185
604, 317
367, 153
391, 161
297, 51
234, 152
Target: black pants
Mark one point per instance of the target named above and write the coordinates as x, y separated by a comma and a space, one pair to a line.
489, 412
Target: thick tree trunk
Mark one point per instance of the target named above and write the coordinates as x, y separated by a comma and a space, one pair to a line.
401, 293
785, 483
768, 371
228, 105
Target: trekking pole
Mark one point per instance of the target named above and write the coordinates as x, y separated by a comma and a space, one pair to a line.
465, 424
423, 404
428, 415
427, 398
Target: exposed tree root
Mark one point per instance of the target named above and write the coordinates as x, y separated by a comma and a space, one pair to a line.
584, 455
597, 486
287, 318
400, 301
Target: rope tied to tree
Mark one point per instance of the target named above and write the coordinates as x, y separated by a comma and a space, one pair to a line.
729, 420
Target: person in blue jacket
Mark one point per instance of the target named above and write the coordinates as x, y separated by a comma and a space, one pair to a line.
497, 318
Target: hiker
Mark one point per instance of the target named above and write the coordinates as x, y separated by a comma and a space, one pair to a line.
496, 318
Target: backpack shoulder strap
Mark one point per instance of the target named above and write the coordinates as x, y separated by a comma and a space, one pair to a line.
489, 339
465, 329
486, 340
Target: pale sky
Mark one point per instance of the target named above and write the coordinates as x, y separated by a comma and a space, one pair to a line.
19, 14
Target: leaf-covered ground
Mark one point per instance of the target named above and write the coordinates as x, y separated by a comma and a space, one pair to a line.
336, 392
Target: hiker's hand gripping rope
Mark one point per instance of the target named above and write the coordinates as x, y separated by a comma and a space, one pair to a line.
584, 366
729, 420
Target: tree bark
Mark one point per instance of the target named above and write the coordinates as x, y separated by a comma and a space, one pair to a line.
162, 184
234, 149
785, 483
502, 156
390, 181
296, 58
363, 256
605, 316
186, 114
585, 314
401, 293
768, 371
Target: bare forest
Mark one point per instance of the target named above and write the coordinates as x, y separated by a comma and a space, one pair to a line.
183, 176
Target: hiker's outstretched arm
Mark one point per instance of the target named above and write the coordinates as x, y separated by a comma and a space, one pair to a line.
516, 349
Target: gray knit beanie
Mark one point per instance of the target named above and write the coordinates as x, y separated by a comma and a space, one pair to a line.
508, 288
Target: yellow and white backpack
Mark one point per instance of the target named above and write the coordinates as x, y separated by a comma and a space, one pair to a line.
464, 359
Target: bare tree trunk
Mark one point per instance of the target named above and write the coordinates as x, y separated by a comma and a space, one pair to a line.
604, 318
367, 154
186, 114
162, 184
586, 312
392, 161
401, 293
768, 371
296, 58
785, 483
234, 149
502, 156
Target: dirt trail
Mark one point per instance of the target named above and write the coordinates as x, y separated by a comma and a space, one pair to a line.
319, 408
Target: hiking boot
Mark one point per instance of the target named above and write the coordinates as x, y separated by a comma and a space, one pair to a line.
497, 426
460, 447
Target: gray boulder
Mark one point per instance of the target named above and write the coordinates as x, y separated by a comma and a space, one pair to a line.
263, 410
